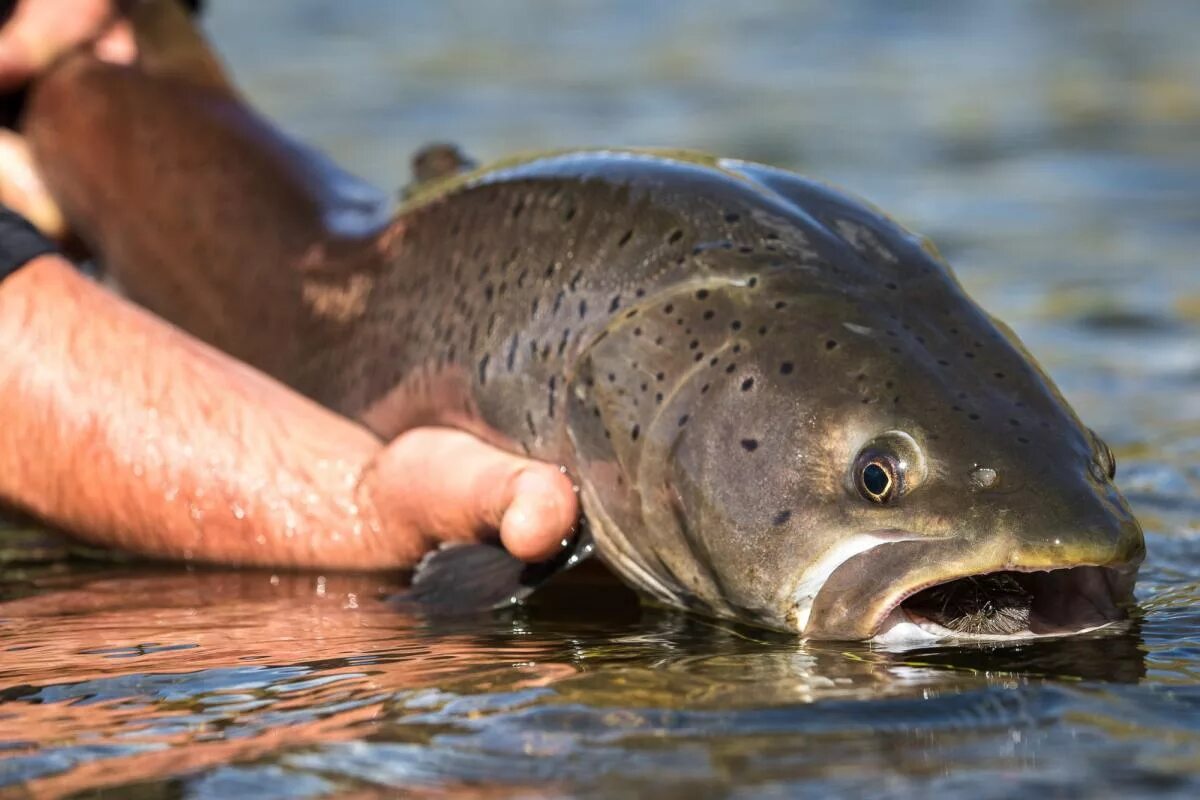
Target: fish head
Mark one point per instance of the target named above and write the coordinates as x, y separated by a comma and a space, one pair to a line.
849, 469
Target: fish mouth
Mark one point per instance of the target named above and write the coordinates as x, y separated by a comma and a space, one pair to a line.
914, 591
1010, 604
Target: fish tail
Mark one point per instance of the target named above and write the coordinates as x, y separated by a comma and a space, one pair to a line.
169, 44
202, 210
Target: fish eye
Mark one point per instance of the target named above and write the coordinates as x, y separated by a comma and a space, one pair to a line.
878, 477
1107, 460
887, 467
1104, 457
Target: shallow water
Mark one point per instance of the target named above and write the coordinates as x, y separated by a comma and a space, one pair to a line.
1050, 149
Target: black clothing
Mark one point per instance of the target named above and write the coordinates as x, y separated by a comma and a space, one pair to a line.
20, 242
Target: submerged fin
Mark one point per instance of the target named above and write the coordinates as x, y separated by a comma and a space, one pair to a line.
470, 578
436, 162
170, 45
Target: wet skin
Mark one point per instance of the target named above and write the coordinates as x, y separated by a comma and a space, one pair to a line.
780, 406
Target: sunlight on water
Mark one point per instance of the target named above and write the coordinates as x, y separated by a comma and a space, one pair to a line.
1050, 151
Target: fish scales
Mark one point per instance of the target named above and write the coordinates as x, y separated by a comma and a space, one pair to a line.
780, 405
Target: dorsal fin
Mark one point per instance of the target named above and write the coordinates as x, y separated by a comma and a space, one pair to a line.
169, 44
436, 162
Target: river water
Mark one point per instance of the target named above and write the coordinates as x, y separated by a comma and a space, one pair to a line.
1051, 149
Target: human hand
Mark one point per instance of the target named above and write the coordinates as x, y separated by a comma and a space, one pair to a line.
22, 190
453, 487
41, 30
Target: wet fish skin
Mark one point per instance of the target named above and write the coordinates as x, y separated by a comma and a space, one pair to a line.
707, 345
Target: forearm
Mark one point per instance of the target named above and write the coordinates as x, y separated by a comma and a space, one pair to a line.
127, 433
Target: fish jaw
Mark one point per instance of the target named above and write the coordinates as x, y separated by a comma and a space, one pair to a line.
905, 590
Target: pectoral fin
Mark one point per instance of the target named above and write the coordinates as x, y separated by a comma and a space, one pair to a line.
470, 578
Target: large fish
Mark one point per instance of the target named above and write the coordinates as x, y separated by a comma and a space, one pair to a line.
780, 406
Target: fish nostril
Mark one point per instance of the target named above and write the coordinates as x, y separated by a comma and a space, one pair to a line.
984, 477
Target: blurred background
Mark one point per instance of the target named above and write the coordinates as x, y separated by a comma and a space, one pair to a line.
1052, 151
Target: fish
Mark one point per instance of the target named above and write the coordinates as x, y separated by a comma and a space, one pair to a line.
779, 405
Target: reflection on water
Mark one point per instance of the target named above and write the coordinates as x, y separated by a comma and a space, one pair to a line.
210, 679
1051, 151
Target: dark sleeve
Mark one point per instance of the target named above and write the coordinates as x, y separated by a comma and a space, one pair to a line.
20, 242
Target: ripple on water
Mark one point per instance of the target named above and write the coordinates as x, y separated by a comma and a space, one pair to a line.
1066, 202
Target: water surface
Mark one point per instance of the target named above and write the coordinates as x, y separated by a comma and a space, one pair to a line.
1050, 149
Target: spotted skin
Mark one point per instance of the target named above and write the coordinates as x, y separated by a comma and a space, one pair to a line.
707, 345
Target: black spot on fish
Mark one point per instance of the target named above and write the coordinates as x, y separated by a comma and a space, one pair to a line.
891, 286
668, 308
781, 518
709, 314
1022, 440
704, 388
675, 236
830, 344
489, 292
747, 384
972, 416
625, 239
999, 375
631, 313
636, 432
732, 217
1014, 422
529, 423
570, 215
683, 420
749, 445
615, 304
702, 294
658, 398
552, 384
582, 309
730, 368
780, 304
637, 331
483, 363
762, 331
736, 325
659, 376
786, 368
512, 353
693, 344
752, 282
968, 354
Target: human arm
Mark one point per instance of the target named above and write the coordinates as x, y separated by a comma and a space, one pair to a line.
131, 434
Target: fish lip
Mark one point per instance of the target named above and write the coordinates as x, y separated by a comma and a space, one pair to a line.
855, 605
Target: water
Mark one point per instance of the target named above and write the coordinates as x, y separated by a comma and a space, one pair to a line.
1051, 151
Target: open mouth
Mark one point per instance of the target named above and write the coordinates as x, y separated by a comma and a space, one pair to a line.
1009, 604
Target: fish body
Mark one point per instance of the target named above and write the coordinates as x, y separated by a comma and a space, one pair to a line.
780, 405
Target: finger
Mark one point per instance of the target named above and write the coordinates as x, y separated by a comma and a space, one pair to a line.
22, 190
540, 510
451, 486
19, 61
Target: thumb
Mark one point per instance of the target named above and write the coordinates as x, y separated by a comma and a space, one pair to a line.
20, 61
452, 486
